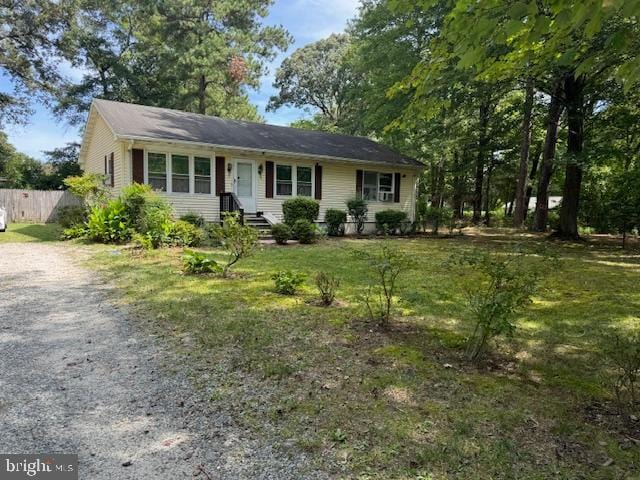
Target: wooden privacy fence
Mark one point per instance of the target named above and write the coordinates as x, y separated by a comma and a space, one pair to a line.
38, 206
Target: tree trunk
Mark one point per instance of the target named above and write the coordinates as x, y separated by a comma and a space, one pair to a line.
202, 93
532, 176
487, 194
525, 130
483, 141
548, 155
574, 97
458, 186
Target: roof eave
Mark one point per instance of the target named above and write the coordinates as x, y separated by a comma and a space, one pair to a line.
263, 151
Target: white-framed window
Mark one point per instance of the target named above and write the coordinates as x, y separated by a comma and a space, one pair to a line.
378, 186
157, 171
179, 173
304, 181
385, 187
370, 186
202, 174
293, 180
284, 180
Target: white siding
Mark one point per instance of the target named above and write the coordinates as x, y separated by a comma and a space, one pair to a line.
338, 178
101, 143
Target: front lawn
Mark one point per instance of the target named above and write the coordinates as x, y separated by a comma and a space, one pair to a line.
30, 232
403, 403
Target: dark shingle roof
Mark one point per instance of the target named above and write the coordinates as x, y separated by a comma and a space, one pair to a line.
138, 121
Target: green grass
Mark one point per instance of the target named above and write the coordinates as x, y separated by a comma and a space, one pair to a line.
403, 403
30, 232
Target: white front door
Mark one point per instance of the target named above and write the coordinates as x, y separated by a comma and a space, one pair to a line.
244, 184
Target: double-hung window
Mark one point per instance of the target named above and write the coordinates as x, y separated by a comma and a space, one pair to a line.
377, 186
304, 184
179, 173
284, 180
370, 186
157, 168
385, 187
202, 178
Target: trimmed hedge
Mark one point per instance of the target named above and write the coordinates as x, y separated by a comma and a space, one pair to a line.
335, 220
304, 231
298, 208
281, 233
390, 221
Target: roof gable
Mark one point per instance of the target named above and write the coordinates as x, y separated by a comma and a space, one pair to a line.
143, 122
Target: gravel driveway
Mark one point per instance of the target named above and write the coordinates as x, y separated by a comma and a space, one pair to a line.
78, 376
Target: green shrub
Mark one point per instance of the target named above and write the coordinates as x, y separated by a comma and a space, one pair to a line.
298, 208
89, 188
141, 241
623, 354
288, 282
108, 223
71, 215
185, 234
281, 233
156, 221
327, 285
73, 232
199, 263
385, 265
358, 209
498, 289
390, 221
238, 240
304, 231
438, 216
194, 219
335, 220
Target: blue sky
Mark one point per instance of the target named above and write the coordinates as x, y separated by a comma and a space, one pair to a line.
306, 20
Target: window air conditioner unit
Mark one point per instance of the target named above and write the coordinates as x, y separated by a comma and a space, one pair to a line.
386, 196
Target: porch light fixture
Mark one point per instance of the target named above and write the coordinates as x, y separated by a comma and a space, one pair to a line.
260, 169
229, 167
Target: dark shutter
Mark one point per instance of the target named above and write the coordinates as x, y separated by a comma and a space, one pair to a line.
112, 170
219, 175
106, 167
359, 175
268, 186
137, 165
396, 189
318, 192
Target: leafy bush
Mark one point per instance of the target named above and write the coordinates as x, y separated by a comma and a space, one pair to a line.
89, 188
335, 220
141, 242
304, 231
288, 282
199, 263
194, 219
75, 231
386, 264
185, 234
298, 208
71, 215
135, 198
437, 217
108, 224
623, 353
238, 240
327, 285
157, 221
358, 209
501, 285
281, 233
390, 221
